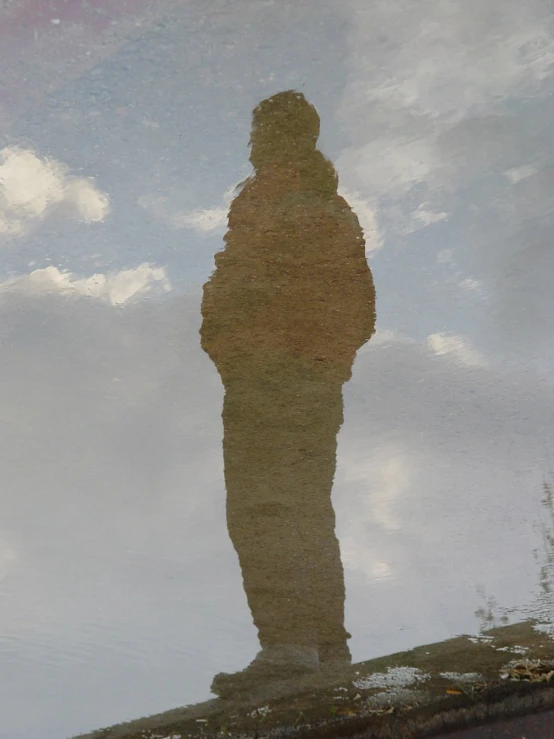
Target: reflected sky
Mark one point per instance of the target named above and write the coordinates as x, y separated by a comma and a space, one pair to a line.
122, 592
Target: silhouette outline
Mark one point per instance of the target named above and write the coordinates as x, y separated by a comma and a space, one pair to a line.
288, 306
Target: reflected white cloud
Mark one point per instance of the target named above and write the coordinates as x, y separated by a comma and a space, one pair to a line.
445, 59
471, 284
115, 288
452, 346
386, 337
389, 165
517, 174
408, 223
202, 220
205, 221
456, 347
32, 187
420, 69
365, 210
394, 479
389, 472
424, 217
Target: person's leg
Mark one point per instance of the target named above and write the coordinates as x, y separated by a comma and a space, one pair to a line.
280, 456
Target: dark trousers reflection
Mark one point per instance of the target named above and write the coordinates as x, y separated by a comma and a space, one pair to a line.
279, 451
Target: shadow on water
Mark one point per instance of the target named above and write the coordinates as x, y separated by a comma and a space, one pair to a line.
289, 304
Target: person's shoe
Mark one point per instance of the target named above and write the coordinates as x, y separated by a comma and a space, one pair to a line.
334, 658
275, 663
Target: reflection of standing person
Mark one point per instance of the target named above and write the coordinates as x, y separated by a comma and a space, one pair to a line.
289, 304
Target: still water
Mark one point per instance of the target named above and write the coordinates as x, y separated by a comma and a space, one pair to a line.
276, 318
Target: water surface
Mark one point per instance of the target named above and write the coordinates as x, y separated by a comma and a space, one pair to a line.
326, 444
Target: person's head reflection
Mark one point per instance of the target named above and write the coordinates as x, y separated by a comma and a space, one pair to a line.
283, 126
289, 304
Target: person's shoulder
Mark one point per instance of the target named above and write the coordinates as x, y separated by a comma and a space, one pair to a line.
243, 184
